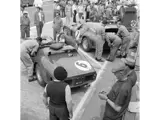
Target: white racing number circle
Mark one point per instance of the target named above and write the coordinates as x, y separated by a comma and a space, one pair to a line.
77, 34
83, 65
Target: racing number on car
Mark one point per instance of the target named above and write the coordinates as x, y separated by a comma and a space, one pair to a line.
83, 65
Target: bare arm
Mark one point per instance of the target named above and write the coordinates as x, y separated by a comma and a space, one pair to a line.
35, 19
35, 49
119, 31
83, 29
69, 100
45, 97
113, 105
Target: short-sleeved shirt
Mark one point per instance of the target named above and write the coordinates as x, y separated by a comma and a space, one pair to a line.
119, 94
123, 32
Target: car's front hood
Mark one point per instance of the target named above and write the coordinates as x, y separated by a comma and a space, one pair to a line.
75, 65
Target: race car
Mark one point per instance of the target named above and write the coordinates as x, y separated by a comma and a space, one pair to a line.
80, 71
84, 41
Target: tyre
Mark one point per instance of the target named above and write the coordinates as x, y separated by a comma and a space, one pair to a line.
85, 44
40, 79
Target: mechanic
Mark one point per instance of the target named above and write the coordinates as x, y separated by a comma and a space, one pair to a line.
57, 25
60, 103
25, 25
96, 33
39, 20
114, 43
117, 100
29, 49
124, 34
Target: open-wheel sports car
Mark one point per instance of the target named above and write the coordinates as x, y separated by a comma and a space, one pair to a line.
80, 71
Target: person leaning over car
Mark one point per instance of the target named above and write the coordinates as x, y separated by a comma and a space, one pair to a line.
125, 36
29, 48
60, 103
96, 33
117, 100
114, 43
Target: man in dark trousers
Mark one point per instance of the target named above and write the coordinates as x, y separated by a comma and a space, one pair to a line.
28, 49
125, 36
60, 103
25, 25
117, 100
39, 20
114, 43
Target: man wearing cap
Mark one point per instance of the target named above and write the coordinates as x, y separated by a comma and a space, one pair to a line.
59, 93
57, 25
124, 34
29, 49
25, 25
117, 100
39, 20
96, 33
114, 43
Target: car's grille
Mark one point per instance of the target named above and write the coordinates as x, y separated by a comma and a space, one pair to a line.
80, 80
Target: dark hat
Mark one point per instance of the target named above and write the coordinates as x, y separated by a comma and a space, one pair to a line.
60, 73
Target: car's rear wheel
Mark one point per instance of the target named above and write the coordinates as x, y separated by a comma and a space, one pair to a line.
40, 79
85, 44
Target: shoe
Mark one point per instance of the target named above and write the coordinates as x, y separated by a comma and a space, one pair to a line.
108, 59
100, 60
31, 78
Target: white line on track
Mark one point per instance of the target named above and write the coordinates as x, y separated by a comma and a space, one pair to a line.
80, 107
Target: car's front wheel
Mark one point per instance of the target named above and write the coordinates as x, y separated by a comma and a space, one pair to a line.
85, 44
40, 79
